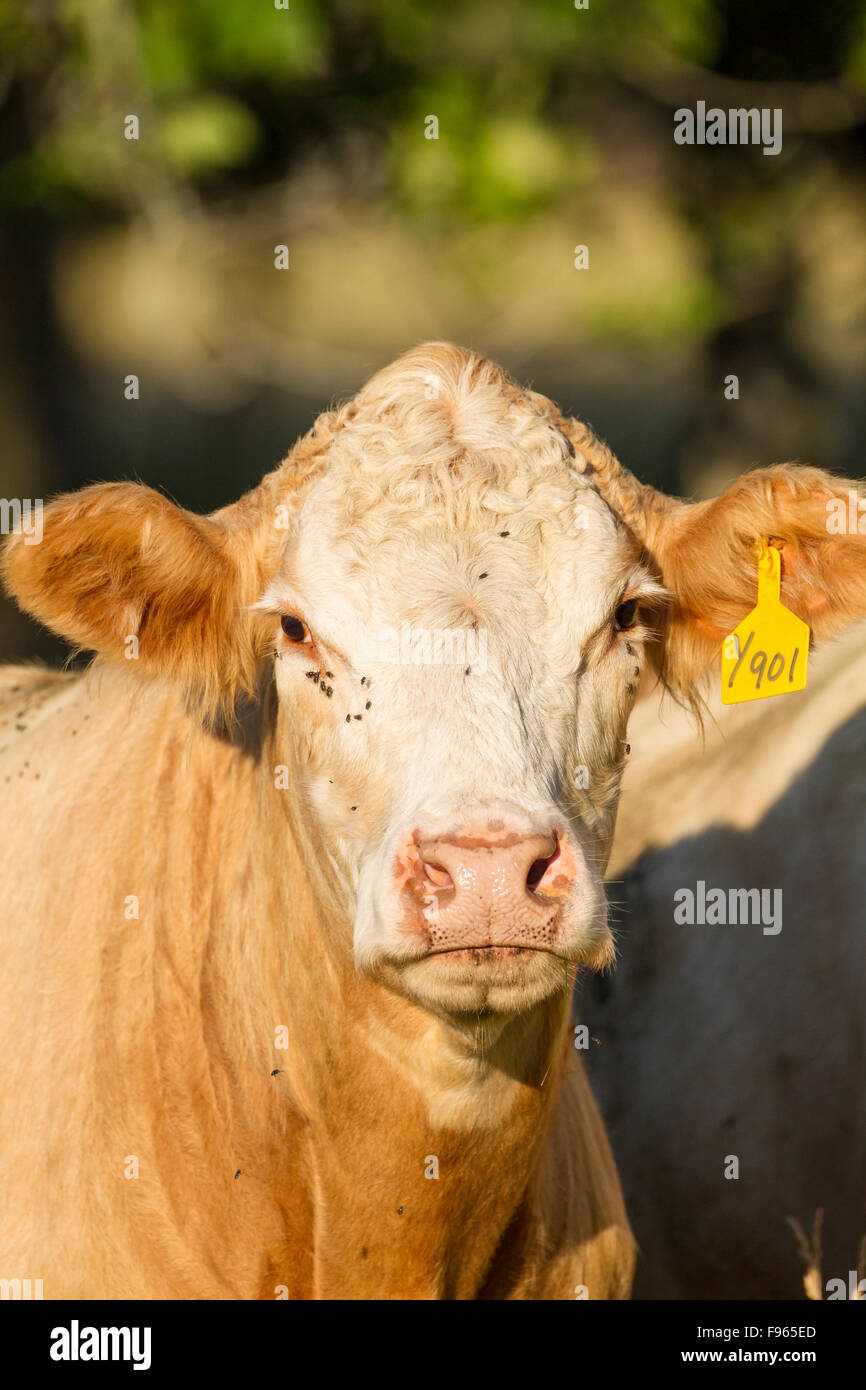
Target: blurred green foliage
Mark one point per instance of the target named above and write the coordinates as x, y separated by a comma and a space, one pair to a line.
513, 84
187, 46
542, 111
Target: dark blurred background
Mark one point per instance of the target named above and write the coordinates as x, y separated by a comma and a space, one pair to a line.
306, 127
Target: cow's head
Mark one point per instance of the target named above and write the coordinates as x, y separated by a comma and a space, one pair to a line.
452, 592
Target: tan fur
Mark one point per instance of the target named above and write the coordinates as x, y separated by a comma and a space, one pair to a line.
152, 1037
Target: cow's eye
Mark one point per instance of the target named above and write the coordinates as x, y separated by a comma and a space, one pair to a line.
295, 628
626, 615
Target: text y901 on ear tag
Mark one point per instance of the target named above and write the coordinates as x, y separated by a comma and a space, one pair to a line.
768, 653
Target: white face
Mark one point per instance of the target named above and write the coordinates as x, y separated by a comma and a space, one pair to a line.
477, 643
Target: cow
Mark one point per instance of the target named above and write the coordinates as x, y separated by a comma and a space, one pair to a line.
741, 1040
295, 889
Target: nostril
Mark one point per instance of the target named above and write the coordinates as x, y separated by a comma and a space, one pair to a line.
437, 875
536, 872
539, 867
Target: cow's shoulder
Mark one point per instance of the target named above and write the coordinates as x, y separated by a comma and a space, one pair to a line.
19, 685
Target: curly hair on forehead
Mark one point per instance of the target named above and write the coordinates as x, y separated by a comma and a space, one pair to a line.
444, 429
448, 414
440, 427
462, 397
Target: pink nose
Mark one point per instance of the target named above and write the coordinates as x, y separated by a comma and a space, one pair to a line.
485, 891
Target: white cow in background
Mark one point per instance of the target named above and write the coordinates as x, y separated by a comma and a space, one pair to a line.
736, 1041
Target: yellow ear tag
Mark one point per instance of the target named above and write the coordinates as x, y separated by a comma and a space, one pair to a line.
768, 653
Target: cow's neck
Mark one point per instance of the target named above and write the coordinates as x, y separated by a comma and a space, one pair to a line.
376, 1133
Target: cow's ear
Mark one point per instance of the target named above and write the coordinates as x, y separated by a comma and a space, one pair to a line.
706, 555
121, 570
